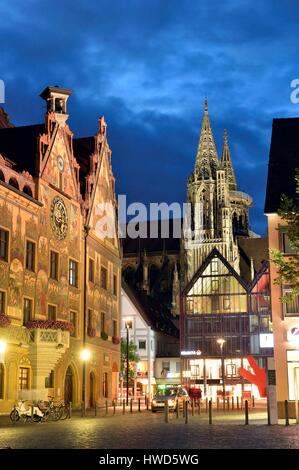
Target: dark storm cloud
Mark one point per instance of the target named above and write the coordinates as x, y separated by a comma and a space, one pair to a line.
147, 66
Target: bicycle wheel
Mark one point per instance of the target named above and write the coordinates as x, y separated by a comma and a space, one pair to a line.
64, 412
54, 414
14, 416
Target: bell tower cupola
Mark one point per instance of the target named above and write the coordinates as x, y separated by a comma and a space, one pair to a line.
56, 99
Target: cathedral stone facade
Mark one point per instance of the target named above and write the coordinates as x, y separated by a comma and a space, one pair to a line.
59, 276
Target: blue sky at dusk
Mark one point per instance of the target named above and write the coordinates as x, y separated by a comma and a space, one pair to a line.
147, 67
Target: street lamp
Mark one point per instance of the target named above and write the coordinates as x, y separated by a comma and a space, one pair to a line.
85, 356
128, 325
221, 342
2, 350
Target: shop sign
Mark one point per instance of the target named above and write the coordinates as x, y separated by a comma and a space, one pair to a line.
191, 353
266, 340
293, 334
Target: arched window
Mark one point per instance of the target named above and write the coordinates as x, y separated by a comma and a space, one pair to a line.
27, 190
13, 182
2, 178
1, 381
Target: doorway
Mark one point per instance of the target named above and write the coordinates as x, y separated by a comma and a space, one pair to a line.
69, 385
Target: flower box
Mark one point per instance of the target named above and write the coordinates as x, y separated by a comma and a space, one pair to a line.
50, 325
4, 320
115, 340
104, 336
92, 332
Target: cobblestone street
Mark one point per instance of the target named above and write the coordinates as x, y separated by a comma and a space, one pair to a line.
149, 431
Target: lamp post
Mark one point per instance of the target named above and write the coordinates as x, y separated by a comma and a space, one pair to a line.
2, 350
127, 369
221, 342
85, 356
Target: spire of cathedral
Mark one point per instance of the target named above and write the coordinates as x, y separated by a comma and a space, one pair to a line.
226, 164
206, 158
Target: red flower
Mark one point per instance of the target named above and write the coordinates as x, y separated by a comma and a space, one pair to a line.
115, 340
50, 325
4, 320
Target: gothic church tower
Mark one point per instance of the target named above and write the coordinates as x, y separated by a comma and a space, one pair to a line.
219, 212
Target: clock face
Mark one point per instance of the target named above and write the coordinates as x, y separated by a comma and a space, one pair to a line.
59, 219
60, 163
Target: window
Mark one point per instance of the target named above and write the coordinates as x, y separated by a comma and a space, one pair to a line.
291, 308
73, 321
52, 312
2, 302
103, 278
115, 328
114, 284
54, 265
214, 265
30, 256
293, 373
4, 245
27, 311
103, 322
91, 270
105, 385
1, 381
49, 381
73, 273
178, 367
142, 344
89, 320
23, 378
166, 366
286, 246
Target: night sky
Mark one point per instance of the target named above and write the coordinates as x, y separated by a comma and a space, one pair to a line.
147, 65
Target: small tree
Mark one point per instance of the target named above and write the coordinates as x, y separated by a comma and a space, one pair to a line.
288, 268
133, 357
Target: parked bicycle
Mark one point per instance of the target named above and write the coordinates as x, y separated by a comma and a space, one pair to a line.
27, 412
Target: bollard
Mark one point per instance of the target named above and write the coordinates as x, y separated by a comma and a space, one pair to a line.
95, 408
147, 403
237, 403
246, 412
106, 407
233, 403
227, 403
217, 403
145, 400
139, 409
207, 405
32, 412
192, 404
177, 409
131, 405
114, 407
223, 403
124, 407
186, 412
210, 412
70, 410
242, 399
252, 401
286, 412
199, 406
166, 412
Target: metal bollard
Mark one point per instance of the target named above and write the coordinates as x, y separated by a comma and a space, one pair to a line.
207, 405
192, 405
95, 408
237, 403
210, 412
166, 412
233, 403
246, 412
227, 403
199, 406
106, 411
252, 401
186, 412
70, 410
147, 403
145, 400
242, 399
217, 403
131, 405
32, 412
124, 407
286, 412
114, 407
139, 409
223, 403
177, 409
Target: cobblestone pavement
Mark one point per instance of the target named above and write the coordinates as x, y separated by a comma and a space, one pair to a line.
149, 431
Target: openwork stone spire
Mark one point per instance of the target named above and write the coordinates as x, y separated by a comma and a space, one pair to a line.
206, 159
226, 164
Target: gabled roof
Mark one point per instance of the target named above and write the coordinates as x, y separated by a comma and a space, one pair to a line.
19, 144
263, 269
214, 254
283, 159
155, 315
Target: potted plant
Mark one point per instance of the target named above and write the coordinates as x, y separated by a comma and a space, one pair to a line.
5, 320
115, 340
104, 335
